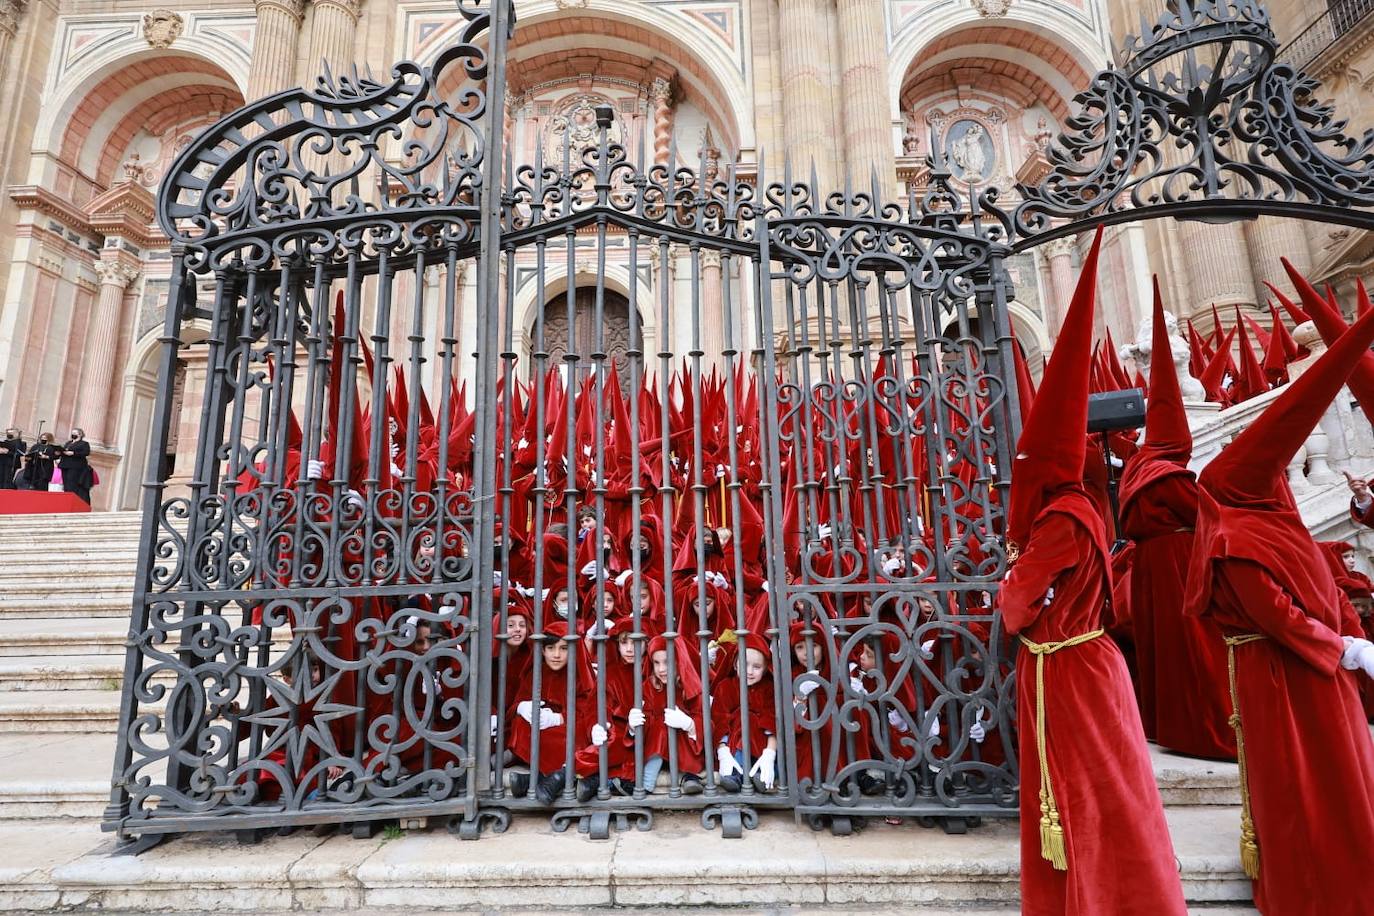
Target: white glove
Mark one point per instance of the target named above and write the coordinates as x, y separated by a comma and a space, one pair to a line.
765, 585
599, 735
548, 718
353, 498
525, 710
764, 769
590, 570
1358, 655
856, 684
976, 732
805, 688
727, 765
624, 577
712, 650
894, 718
928, 649
314, 469
934, 727
397, 472
493, 726
718, 580
636, 718
676, 718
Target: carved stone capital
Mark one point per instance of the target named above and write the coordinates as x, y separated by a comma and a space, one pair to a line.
115, 270
1061, 247
354, 8
661, 91
293, 8
991, 8
10, 13
710, 258
161, 27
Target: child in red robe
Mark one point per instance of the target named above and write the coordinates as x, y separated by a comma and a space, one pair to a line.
728, 712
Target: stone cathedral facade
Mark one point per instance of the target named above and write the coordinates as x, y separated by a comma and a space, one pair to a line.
97, 98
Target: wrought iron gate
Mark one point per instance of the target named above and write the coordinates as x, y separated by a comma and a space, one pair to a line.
444, 554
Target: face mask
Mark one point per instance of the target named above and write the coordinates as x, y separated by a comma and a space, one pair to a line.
891, 565
74, 437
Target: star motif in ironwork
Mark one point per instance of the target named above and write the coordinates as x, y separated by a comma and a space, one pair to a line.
278, 718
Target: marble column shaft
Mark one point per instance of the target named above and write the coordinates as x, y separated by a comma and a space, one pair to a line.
1217, 261
332, 32
712, 308
1062, 281
274, 47
807, 90
1271, 238
97, 380
863, 89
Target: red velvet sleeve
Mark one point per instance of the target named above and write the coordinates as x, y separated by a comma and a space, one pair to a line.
1055, 545
1273, 611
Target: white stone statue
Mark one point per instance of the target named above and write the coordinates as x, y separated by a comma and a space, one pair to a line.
1140, 352
967, 153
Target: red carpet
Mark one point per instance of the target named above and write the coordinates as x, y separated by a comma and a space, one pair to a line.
33, 502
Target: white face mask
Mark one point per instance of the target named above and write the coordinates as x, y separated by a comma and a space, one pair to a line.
891, 565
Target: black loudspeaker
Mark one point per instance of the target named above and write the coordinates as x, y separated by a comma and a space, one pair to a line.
1116, 410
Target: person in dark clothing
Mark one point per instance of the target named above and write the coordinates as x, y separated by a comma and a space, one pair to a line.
38, 464
77, 475
12, 449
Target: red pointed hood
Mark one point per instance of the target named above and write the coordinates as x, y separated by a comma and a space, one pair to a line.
1298, 315
1166, 423
1251, 382
1050, 453
1250, 471
1331, 326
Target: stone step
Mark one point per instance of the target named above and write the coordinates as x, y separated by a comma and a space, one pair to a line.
65, 606
1187, 781
91, 712
677, 864
48, 776
65, 672
37, 636
77, 584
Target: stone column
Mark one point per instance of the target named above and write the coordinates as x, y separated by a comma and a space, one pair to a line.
1217, 262
10, 13
863, 89
807, 92
1270, 239
661, 110
274, 46
116, 272
186, 431
1062, 280
712, 308
332, 31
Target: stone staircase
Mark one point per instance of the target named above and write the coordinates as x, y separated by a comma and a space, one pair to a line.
65, 595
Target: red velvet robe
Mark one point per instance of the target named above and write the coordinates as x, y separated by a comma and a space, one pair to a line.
1120, 856
1309, 758
1185, 702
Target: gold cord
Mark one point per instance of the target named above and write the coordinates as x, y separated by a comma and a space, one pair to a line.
1052, 846
1249, 843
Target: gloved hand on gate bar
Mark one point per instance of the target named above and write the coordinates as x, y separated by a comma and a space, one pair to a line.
895, 719
548, 718
635, 718
525, 710
676, 718
976, 732
726, 764
314, 469
599, 735
805, 688
764, 768
493, 725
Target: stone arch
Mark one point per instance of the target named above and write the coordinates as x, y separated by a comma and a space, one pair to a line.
633, 36
1052, 45
616, 279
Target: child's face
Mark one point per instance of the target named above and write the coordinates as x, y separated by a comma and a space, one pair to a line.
517, 629
626, 644
660, 662
806, 655
556, 655
586, 523
1349, 559
1363, 606
560, 597
927, 608
608, 604
755, 666
867, 660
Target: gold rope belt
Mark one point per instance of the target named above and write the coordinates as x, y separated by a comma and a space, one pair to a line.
1051, 831
1249, 843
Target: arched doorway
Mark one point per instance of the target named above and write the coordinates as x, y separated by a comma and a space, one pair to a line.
580, 338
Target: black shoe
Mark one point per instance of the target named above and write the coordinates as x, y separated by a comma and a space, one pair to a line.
586, 789
870, 785
729, 784
759, 787
520, 784
622, 787
692, 784
550, 787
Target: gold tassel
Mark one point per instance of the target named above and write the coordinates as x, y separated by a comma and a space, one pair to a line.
1249, 849
1053, 847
